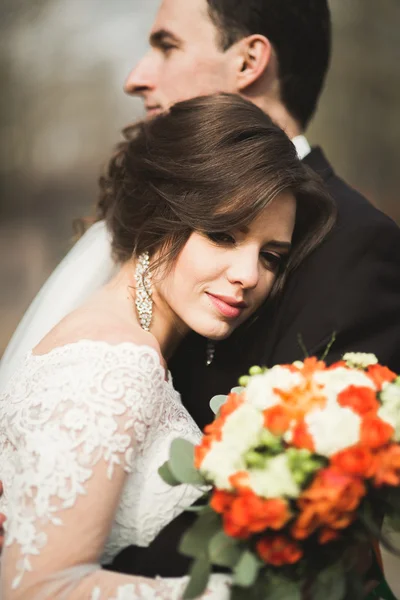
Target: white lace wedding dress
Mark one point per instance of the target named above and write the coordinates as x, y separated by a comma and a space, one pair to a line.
83, 431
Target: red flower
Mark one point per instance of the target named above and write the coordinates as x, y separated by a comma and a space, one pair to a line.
301, 437
388, 466
277, 419
330, 501
374, 432
221, 501
380, 375
278, 551
361, 400
250, 514
356, 460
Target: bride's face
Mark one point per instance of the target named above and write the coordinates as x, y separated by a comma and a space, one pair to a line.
219, 280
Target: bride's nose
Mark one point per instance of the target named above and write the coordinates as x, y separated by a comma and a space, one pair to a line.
244, 268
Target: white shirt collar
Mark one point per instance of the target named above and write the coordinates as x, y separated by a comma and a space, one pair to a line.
302, 146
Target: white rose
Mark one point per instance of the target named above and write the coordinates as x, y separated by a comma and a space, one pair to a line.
275, 480
241, 431
220, 463
333, 428
260, 390
390, 409
242, 428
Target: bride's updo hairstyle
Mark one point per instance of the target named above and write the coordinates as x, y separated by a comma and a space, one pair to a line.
210, 164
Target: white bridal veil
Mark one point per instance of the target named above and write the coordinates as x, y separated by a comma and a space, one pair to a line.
86, 268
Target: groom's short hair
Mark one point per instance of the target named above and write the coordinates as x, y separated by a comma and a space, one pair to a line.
299, 31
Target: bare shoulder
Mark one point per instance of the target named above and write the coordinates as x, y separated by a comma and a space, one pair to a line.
96, 324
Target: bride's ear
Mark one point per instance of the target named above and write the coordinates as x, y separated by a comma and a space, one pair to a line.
254, 56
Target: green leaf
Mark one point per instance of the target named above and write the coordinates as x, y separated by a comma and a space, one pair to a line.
181, 463
196, 540
281, 588
224, 550
216, 402
247, 569
330, 584
200, 572
165, 473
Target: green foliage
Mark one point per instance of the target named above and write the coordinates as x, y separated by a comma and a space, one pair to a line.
195, 541
224, 551
166, 474
199, 574
278, 587
216, 402
181, 463
330, 584
247, 569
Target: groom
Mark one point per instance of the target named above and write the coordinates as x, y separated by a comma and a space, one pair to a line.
276, 54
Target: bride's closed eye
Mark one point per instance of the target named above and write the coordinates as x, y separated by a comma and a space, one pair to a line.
221, 237
273, 261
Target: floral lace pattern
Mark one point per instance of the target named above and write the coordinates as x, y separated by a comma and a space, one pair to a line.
61, 415
168, 589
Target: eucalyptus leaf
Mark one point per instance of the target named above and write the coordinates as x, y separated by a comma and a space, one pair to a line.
330, 584
196, 540
223, 550
247, 569
200, 572
216, 402
181, 463
165, 473
280, 588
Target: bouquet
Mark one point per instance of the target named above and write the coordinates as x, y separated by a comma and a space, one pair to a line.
297, 470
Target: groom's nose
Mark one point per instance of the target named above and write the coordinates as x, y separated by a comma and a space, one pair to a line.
141, 79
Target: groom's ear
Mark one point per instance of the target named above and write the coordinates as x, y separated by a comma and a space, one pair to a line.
254, 57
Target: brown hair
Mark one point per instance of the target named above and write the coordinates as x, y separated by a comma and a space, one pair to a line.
210, 164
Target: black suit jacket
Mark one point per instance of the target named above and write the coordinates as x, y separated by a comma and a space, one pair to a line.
350, 285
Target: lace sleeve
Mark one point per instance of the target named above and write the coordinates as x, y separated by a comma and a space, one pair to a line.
73, 429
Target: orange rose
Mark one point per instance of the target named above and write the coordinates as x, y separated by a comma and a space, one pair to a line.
361, 400
312, 364
277, 419
278, 551
250, 514
388, 466
327, 535
232, 402
374, 432
221, 501
356, 460
301, 437
330, 501
380, 374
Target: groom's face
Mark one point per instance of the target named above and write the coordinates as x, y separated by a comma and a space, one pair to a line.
184, 59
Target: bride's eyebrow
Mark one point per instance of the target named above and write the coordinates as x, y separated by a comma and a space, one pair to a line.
278, 245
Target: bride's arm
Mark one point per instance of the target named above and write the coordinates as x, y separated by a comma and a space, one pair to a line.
67, 567
70, 470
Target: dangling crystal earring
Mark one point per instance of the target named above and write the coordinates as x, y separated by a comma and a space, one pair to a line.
210, 352
143, 301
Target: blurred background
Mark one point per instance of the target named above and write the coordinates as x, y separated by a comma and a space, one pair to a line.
62, 67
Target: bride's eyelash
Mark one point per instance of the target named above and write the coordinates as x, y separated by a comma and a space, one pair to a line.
221, 237
274, 261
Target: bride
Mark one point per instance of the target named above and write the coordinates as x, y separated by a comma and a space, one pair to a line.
208, 208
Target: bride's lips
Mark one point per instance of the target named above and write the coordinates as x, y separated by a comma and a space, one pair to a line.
227, 306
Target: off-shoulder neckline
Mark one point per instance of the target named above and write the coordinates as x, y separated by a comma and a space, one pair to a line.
88, 342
